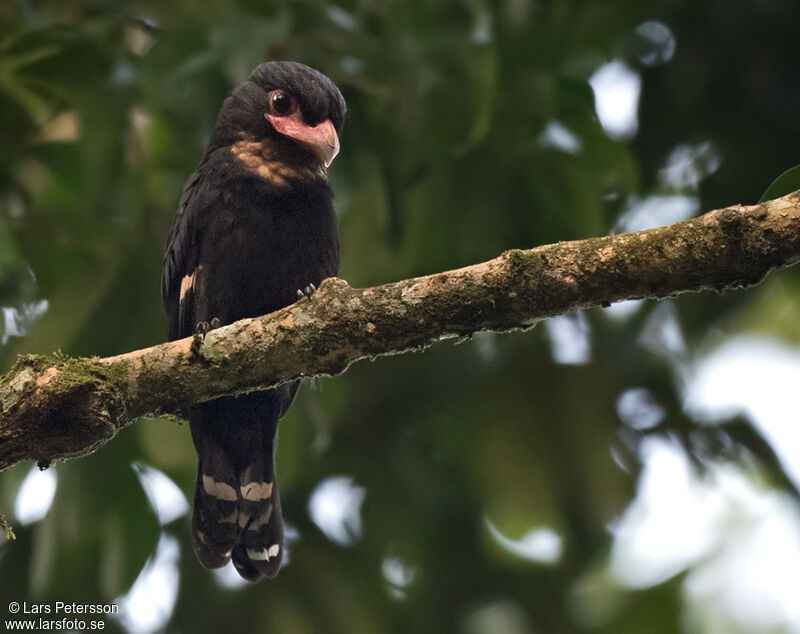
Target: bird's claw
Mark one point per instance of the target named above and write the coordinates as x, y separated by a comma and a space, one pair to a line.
200, 332
203, 327
308, 291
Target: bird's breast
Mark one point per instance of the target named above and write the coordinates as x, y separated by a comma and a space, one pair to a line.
259, 251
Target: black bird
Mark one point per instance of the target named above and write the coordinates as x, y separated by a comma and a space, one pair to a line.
255, 225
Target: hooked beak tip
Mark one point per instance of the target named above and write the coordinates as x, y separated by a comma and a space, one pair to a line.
320, 139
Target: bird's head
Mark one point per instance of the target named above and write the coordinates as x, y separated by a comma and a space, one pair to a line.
287, 106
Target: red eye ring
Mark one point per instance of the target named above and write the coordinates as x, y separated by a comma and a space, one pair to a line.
281, 103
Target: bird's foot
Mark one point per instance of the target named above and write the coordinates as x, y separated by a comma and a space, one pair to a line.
203, 327
200, 332
308, 291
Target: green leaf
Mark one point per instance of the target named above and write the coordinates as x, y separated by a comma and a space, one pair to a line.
786, 183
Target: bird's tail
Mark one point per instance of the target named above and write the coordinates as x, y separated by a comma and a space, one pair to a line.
259, 549
237, 509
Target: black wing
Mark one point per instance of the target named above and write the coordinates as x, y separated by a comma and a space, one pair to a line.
178, 277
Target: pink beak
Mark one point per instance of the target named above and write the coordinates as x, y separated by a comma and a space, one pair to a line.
320, 139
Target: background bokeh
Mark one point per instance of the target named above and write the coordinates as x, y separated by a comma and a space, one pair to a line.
629, 469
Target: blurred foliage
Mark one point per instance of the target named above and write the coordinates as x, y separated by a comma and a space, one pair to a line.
105, 108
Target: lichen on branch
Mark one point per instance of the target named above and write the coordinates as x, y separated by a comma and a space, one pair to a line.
54, 407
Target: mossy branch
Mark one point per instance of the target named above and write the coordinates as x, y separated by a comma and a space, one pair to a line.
52, 407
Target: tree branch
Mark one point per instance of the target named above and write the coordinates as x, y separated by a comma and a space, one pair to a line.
53, 407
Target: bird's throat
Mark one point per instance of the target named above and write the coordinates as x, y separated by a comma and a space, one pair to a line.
278, 163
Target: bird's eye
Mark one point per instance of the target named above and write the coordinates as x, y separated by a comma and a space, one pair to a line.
281, 104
